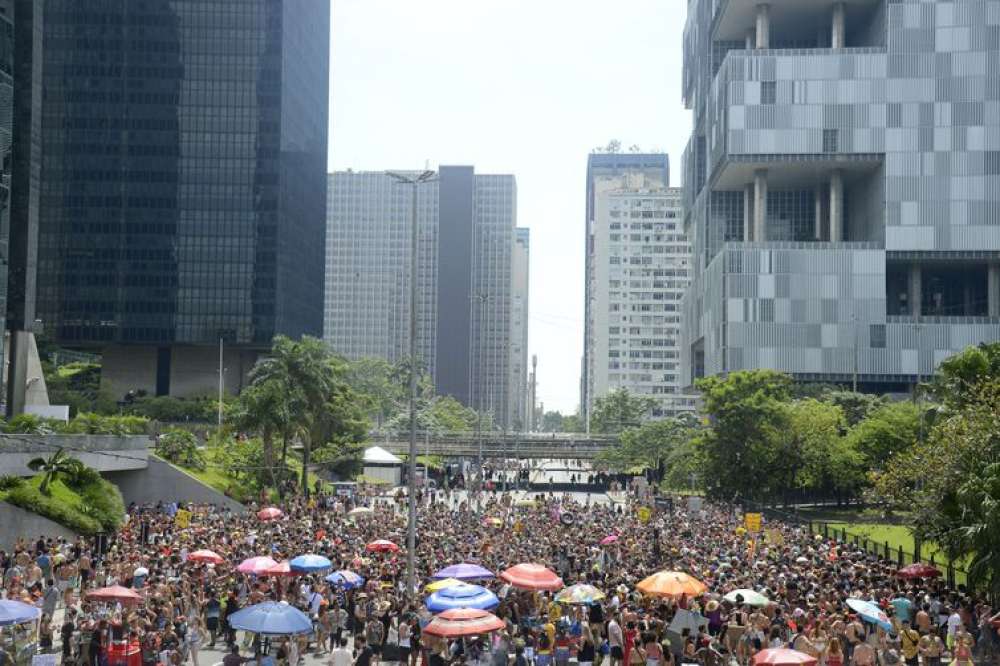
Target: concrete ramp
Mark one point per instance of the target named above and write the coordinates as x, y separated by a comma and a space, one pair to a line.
162, 482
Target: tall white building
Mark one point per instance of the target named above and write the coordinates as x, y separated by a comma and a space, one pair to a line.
470, 337
641, 267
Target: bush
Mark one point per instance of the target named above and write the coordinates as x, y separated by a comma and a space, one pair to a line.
167, 409
9, 482
29, 424
30, 498
88, 423
181, 448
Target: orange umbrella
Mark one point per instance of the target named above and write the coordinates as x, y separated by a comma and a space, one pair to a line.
671, 584
463, 622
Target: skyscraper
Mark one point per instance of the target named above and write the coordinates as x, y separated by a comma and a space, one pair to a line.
175, 175
466, 228
657, 168
641, 268
841, 186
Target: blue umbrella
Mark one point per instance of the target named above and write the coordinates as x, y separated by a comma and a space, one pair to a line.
17, 612
309, 562
870, 613
461, 596
275, 618
463, 571
345, 579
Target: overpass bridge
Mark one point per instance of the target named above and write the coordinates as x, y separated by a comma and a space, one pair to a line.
497, 445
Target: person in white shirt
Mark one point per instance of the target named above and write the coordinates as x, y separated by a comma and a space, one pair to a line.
341, 656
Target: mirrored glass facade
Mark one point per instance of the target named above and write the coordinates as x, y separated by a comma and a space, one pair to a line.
182, 173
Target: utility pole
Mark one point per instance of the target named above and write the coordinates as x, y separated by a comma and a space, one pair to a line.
221, 384
532, 426
854, 320
483, 298
411, 490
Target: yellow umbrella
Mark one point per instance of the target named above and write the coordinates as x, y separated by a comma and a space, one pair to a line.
671, 584
526, 503
441, 584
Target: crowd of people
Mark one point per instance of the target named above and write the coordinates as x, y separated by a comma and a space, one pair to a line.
185, 605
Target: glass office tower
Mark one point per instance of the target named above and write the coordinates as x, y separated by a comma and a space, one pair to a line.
181, 184
842, 186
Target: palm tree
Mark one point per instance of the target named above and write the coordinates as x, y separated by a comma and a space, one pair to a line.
264, 408
58, 463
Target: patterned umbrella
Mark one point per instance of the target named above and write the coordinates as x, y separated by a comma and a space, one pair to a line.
381, 546
441, 584
345, 579
256, 565
671, 584
464, 622
870, 612
531, 576
580, 594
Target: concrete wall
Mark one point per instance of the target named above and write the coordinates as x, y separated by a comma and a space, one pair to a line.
161, 481
194, 371
15, 522
101, 452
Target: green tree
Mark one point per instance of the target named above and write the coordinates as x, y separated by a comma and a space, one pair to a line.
376, 383
958, 375
856, 406
572, 423
814, 455
59, 463
746, 414
180, 447
887, 430
619, 409
552, 422
652, 445
263, 408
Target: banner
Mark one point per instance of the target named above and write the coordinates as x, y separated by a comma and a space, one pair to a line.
752, 522
644, 513
775, 536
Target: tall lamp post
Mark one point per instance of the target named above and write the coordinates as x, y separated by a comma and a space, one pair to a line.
411, 492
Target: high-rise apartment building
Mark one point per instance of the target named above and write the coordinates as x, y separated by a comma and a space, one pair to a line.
174, 172
641, 267
841, 186
655, 167
520, 417
465, 272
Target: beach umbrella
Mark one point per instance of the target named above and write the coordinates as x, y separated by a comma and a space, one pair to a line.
749, 597
464, 571
274, 618
205, 556
463, 622
917, 570
608, 540
381, 546
441, 584
270, 513
256, 565
462, 595
345, 579
531, 576
579, 594
783, 657
361, 511
280, 569
309, 562
671, 584
115, 593
140, 571
17, 612
870, 613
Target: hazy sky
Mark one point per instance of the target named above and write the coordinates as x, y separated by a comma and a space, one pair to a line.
526, 87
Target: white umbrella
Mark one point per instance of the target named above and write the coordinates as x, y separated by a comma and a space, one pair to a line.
141, 571
749, 597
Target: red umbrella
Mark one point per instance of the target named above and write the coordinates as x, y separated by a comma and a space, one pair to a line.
270, 513
205, 556
279, 569
381, 546
783, 657
531, 576
917, 570
463, 622
115, 593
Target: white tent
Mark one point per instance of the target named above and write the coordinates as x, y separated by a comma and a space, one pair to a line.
380, 464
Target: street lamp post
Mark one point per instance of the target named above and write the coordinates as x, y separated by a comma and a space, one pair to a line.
411, 491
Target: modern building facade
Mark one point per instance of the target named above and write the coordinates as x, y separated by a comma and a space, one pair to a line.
641, 270
466, 279
842, 186
520, 273
174, 172
656, 167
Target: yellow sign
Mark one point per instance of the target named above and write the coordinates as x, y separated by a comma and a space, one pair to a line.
644, 514
752, 522
183, 518
775, 536
518, 527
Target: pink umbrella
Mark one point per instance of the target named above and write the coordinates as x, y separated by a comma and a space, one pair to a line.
783, 657
270, 513
205, 556
256, 565
608, 540
279, 569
